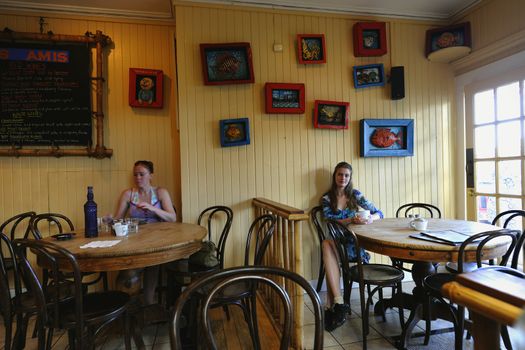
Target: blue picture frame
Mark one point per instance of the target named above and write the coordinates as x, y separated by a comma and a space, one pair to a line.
386, 137
369, 75
234, 132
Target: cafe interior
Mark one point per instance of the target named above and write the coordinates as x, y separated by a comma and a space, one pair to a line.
245, 108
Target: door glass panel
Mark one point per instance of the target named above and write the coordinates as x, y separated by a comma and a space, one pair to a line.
484, 144
509, 204
508, 101
486, 208
484, 107
509, 139
485, 177
509, 177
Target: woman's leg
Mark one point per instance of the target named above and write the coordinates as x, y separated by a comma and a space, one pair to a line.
151, 275
331, 266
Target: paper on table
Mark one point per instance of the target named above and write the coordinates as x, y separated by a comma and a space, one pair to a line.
100, 244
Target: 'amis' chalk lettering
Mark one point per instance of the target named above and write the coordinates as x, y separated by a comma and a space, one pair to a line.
38, 55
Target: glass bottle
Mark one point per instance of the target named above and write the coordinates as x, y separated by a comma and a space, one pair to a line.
90, 215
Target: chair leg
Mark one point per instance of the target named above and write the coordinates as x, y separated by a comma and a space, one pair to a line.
428, 323
506, 337
382, 304
368, 290
8, 325
401, 312
321, 277
127, 331
364, 314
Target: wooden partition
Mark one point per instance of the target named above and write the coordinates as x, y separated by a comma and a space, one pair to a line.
285, 250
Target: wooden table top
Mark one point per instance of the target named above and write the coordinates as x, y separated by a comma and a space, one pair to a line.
153, 244
390, 237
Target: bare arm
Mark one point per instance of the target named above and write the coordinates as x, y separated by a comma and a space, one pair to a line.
167, 213
122, 205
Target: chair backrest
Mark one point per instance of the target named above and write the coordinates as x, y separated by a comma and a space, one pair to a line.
55, 259
481, 239
214, 214
259, 274
315, 215
341, 235
17, 223
54, 222
259, 235
508, 217
7, 253
405, 209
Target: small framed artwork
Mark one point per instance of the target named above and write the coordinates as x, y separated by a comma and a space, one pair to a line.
145, 87
331, 115
311, 48
284, 98
456, 36
229, 63
387, 137
235, 132
369, 75
369, 39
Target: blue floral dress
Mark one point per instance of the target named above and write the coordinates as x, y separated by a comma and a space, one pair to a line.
348, 213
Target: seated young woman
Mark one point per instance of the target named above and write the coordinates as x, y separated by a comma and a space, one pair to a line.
341, 203
148, 203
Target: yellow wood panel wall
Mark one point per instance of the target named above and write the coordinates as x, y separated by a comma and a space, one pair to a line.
288, 160
59, 185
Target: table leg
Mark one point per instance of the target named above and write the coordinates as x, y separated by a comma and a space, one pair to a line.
486, 332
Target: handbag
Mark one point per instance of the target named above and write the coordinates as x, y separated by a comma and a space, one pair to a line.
206, 256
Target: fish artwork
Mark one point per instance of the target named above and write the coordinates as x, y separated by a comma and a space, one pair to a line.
384, 137
227, 64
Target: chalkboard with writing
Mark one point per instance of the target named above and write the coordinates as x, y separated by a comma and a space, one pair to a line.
45, 94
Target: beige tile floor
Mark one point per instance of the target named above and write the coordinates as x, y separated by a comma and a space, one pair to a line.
347, 337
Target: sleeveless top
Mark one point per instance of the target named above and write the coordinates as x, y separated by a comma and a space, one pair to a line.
143, 214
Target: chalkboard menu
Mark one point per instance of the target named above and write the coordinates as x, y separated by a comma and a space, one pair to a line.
45, 94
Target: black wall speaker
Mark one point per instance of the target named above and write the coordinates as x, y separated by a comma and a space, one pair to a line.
397, 79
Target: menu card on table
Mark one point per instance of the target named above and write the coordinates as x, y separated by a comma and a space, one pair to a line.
449, 237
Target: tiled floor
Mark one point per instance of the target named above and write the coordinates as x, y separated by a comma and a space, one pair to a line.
346, 337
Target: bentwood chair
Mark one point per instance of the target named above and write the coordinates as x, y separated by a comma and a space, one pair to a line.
315, 215
377, 275
21, 305
249, 275
52, 223
243, 294
433, 283
84, 315
16, 226
182, 272
407, 210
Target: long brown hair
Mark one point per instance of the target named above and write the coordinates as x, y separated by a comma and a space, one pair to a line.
332, 193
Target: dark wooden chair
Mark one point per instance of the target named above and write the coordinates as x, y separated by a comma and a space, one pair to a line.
15, 227
85, 314
378, 276
315, 215
249, 275
181, 272
55, 223
433, 283
17, 306
243, 294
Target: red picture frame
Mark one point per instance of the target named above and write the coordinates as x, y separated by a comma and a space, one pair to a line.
331, 114
311, 48
228, 63
370, 39
145, 88
285, 98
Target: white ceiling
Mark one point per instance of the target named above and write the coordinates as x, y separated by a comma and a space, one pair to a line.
162, 9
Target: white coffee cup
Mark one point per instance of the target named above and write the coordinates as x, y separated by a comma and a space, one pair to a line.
363, 214
419, 224
120, 229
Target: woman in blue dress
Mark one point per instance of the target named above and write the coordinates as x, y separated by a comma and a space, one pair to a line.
341, 203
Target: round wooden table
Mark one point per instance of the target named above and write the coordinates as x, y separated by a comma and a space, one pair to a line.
391, 237
153, 244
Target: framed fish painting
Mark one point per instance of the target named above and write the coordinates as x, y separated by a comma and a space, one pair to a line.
229, 63
311, 48
387, 137
369, 75
235, 132
331, 114
369, 39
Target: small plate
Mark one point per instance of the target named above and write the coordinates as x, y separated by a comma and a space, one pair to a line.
63, 236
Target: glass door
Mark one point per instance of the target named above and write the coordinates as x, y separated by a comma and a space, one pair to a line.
495, 132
